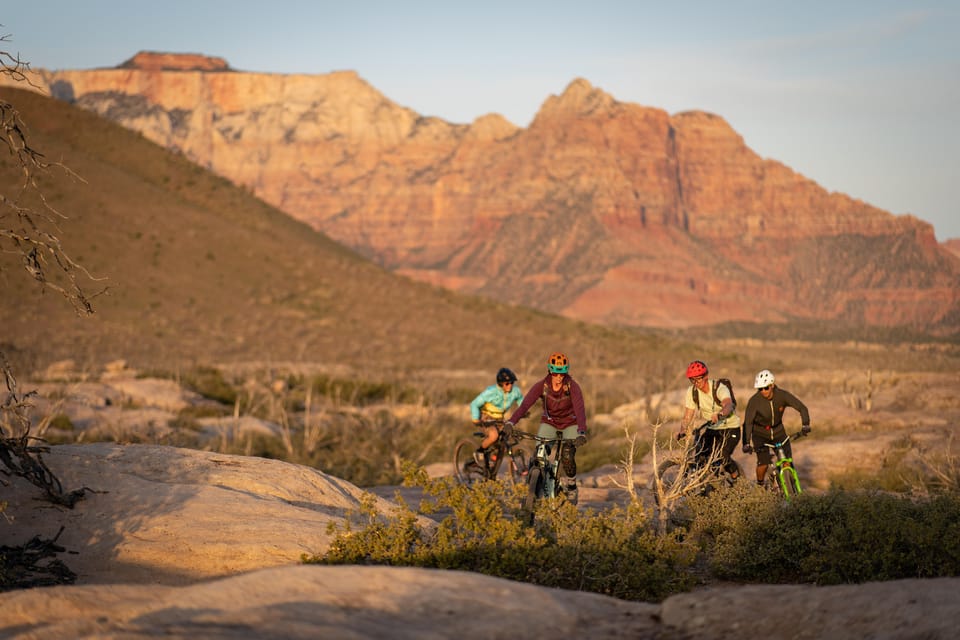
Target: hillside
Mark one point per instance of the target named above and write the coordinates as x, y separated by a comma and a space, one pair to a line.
200, 271
600, 210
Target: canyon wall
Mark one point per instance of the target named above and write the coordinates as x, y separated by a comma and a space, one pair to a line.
602, 210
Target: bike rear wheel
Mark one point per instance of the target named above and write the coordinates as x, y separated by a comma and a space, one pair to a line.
465, 469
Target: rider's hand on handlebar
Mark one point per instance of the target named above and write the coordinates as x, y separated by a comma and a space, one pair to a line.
681, 435
805, 429
747, 447
580, 441
507, 429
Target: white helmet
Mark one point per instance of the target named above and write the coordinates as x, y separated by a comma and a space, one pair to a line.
764, 378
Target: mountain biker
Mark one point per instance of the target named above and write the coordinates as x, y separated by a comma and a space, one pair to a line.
491, 404
563, 411
763, 422
715, 405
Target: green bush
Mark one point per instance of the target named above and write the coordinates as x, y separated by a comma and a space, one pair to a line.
210, 383
613, 552
839, 537
362, 392
62, 422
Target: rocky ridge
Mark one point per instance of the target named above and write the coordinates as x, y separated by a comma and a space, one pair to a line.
601, 210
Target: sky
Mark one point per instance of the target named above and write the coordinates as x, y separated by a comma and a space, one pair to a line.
862, 97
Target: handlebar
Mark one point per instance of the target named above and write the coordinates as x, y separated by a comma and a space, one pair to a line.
695, 431
791, 436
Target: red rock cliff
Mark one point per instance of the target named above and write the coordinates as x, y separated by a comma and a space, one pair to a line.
601, 210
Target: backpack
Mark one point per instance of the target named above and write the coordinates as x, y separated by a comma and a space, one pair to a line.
716, 400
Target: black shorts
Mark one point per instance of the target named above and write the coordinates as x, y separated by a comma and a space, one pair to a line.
762, 437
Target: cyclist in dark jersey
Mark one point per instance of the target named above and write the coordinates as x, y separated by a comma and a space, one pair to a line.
763, 422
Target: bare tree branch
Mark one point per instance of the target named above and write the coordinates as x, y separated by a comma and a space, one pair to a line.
25, 230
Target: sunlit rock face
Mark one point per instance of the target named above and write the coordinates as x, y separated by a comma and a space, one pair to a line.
602, 210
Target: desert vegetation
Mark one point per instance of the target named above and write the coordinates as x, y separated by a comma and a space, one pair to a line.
745, 535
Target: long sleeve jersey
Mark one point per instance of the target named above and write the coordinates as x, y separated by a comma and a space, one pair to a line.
763, 413
561, 409
494, 402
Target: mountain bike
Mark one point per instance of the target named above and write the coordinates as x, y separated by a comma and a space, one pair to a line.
784, 478
546, 476
693, 470
466, 469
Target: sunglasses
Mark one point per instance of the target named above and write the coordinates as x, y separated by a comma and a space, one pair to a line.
697, 379
766, 388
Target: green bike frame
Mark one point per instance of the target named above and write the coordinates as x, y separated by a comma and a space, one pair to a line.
788, 481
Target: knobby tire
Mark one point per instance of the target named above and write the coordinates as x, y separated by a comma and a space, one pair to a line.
534, 492
789, 480
668, 472
462, 454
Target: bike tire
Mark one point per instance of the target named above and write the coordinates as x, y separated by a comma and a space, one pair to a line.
668, 472
518, 467
789, 482
534, 490
462, 455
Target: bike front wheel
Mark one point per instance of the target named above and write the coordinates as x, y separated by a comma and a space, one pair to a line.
668, 472
789, 482
534, 492
518, 465
465, 468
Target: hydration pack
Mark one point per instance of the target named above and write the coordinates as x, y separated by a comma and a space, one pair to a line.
719, 381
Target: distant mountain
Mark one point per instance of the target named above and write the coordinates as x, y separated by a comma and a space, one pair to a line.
199, 271
600, 210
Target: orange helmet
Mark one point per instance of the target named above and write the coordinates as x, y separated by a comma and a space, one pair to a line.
558, 363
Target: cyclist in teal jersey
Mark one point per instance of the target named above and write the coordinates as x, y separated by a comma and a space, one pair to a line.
491, 404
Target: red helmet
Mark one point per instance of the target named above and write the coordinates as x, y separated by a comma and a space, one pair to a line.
696, 369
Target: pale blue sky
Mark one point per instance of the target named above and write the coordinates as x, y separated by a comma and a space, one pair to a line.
861, 97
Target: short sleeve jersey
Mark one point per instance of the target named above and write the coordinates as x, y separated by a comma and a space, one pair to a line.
707, 407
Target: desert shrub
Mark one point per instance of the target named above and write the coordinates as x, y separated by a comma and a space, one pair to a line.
839, 537
612, 552
362, 392
210, 383
62, 422
194, 411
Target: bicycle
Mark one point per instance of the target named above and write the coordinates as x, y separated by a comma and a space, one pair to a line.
468, 472
546, 476
784, 474
685, 473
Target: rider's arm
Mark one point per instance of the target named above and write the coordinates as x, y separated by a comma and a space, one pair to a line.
533, 394
690, 411
576, 397
516, 396
748, 419
792, 401
478, 402
726, 402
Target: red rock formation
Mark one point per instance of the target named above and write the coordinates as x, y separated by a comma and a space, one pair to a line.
155, 61
601, 210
